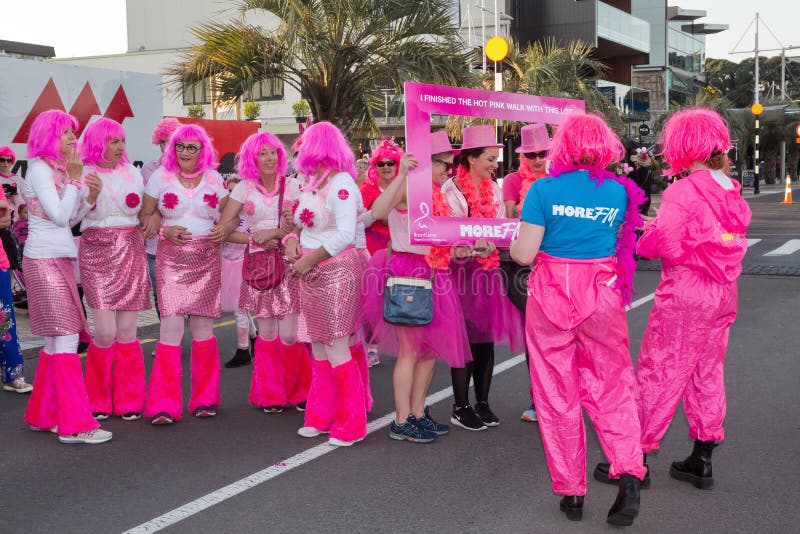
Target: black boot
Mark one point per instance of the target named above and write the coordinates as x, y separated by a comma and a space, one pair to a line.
626, 507
601, 473
242, 357
572, 505
696, 469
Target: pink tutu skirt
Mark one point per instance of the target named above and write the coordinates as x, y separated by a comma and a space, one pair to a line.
54, 305
231, 283
113, 269
444, 338
489, 314
188, 278
330, 294
277, 302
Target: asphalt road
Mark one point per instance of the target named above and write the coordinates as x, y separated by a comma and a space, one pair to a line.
246, 471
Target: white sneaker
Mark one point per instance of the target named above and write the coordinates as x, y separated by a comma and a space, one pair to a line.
92, 437
18, 386
53, 430
372, 356
310, 432
341, 443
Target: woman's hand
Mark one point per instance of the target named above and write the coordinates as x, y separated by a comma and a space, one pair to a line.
292, 250
287, 220
483, 248
218, 233
407, 162
74, 166
460, 253
95, 185
177, 234
150, 226
262, 237
302, 265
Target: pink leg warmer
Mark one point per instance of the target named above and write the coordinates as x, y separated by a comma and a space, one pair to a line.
41, 412
357, 353
74, 414
129, 382
267, 385
164, 394
99, 361
322, 395
297, 371
350, 422
205, 374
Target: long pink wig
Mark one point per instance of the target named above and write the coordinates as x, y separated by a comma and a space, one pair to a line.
324, 146
247, 158
388, 149
190, 132
8, 152
586, 142
164, 129
691, 135
95, 140
44, 139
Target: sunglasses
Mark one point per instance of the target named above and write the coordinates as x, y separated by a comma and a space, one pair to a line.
191, 149
534, 155
6, 160
447, 164
390, 163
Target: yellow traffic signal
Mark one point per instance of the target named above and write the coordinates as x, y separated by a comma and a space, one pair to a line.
756, 109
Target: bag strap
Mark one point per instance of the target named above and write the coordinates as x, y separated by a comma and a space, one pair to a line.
280, 201
389, 255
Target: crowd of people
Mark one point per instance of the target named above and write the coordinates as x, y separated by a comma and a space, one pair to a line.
309, 256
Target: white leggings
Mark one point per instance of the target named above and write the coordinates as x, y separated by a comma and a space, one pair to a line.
110, 325
172, 329
245, 328
269, 328
337, 352
61, 344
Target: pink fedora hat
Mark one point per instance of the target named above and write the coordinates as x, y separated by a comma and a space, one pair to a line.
440, 143
534, 138
480, 136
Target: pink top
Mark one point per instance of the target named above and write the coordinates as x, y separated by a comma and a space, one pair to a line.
401, 240
119, 201
196, 209
259, 209
512, 183
700, 225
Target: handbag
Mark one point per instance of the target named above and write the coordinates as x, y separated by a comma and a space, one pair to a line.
264, 269
408, 301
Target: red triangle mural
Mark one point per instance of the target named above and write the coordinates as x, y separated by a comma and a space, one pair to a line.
49, 99
84, 108
119, 108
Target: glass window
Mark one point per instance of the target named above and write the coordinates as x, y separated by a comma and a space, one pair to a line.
196, 93
269, 89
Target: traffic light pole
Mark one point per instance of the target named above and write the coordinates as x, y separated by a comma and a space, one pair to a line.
757, 159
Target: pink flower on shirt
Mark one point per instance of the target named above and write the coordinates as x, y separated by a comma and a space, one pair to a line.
249, 208
170, 200
212, 200
307, 217
132, 200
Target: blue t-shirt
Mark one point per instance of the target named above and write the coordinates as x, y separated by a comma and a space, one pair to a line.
581, 219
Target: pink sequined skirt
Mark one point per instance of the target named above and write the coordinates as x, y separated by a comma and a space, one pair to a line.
53, 302
278, 302
113, 269
188, 278
330, 295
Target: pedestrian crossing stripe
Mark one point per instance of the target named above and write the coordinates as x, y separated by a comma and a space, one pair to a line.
790, 247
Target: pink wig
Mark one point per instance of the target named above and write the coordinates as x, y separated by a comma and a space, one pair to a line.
9, 153
691, 135
247, 158
164, 129
325, 146
185, 133
44, 139
95, 140
585, 142
388, 149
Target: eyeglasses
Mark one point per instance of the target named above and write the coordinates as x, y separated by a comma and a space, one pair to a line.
6, 160
191, 149
534, 155
447, 164
390, 163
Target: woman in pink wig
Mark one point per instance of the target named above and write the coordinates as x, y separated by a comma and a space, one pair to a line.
578, 230
417, 347
186, 194
329, 267
113, 274
384, 164
699, 235
282, 366
490, 316
59, 402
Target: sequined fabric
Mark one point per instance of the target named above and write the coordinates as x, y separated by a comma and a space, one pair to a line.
113, 269
330, 297
53, 302
188, 278
278, 302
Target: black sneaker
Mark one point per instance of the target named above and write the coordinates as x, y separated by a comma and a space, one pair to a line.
408, 431
486, 414
242, 357
426, 422
466, 418
301, 406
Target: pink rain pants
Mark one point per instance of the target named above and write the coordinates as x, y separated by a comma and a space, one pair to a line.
577, 337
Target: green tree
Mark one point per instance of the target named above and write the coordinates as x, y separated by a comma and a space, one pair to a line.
337, 53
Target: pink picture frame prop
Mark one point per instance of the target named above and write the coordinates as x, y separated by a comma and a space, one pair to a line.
424, 100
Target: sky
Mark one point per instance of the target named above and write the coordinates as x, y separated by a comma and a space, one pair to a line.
97, 27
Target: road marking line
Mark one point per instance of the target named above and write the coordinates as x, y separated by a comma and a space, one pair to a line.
751, 242
240, 486
790, 247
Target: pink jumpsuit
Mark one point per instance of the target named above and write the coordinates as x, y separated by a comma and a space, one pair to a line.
699, 235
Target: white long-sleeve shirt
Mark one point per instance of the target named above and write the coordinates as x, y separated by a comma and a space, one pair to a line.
119, 201
195, 209
52, 211
333, 213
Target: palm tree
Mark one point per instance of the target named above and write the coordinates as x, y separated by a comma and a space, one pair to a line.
337, 53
